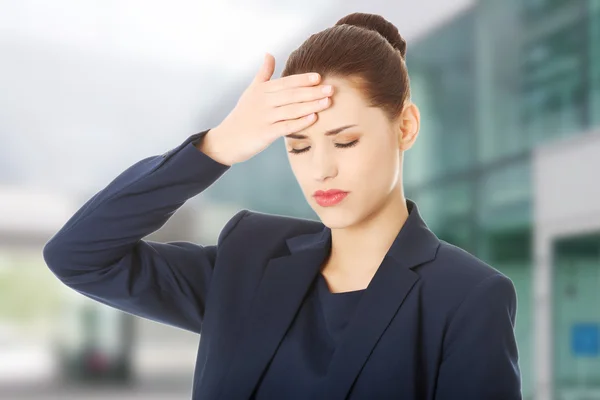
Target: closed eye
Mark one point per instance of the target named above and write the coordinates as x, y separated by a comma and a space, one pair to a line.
346, 145
338, 145
298, 151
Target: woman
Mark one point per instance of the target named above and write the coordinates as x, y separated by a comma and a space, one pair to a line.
366, 304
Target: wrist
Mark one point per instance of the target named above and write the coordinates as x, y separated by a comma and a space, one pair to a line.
209, 146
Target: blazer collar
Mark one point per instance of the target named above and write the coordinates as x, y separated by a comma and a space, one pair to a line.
286, 282
413, 245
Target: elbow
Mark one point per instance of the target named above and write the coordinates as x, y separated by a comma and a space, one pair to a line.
55, 257
51, 256
73, 263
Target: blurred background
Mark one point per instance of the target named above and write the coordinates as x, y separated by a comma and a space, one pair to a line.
506, 166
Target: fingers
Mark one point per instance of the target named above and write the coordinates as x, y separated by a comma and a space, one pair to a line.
298, 110
292, 81
266, 70
292, 101
293, 125
298, 95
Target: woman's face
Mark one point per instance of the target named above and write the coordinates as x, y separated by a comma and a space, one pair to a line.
352, 148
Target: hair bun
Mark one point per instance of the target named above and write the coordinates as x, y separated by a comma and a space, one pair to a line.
378, 24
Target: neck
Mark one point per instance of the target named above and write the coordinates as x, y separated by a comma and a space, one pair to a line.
357, 251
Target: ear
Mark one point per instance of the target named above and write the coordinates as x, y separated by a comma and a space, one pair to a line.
409, 123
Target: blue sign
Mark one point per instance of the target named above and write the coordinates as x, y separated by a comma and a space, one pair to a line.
585, 340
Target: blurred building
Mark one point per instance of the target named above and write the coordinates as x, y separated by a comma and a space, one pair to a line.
506, 167
50, 333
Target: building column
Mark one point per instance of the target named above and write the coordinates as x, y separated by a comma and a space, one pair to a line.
542, 314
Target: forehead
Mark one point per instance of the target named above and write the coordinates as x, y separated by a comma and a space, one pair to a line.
348, 107
346, 98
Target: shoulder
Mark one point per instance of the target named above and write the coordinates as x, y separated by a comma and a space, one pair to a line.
250, 228
254, 222
455, 263
456, 275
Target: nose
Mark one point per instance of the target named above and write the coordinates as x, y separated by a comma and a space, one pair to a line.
324, 165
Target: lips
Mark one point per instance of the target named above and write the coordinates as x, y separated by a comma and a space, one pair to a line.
330, 197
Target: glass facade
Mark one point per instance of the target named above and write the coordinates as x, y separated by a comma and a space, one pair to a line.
499, 136
554, 66
492, 84
594, 70
441, 69
576, 315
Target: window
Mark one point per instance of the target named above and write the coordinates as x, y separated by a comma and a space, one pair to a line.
505, 197
533, 10
553, 84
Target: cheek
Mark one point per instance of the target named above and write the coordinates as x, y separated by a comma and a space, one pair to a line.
371, 163
299, 169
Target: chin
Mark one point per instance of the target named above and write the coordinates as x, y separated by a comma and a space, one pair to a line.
336, 218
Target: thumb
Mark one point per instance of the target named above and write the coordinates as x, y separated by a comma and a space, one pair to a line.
266, 70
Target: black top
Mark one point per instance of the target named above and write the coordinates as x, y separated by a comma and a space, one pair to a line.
302, 359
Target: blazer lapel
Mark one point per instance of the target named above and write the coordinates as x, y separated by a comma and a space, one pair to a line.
282, 289
382, 299
414, 245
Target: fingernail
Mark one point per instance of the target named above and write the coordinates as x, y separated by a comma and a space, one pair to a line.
327, 89
310, 116
324, 101
314, 77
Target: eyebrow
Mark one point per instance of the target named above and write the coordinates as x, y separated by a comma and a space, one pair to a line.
330, 132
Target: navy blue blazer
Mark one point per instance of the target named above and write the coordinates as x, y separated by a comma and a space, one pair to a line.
435, 323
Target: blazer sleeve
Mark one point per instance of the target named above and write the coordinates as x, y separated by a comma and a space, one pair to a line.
480, 356
100, 252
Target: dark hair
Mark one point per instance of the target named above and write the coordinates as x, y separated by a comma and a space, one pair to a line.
365, 49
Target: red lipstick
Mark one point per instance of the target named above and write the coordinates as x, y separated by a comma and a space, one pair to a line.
330, 197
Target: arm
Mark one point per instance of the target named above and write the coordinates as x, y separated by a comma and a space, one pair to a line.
480, 357
100, 253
